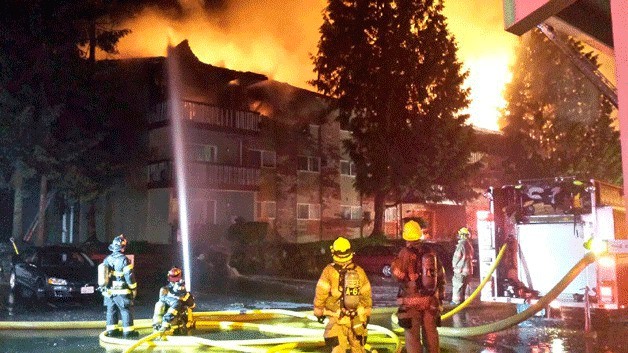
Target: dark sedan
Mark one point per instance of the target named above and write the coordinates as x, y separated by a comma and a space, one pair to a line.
53, 272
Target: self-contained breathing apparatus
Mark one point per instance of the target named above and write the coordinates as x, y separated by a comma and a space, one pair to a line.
104, 277
349, 286
419, 287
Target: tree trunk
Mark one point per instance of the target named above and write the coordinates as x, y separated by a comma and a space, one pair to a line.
378, 221
17, 181
41, 228
92, 41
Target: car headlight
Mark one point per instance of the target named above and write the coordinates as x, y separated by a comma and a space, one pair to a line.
57, 281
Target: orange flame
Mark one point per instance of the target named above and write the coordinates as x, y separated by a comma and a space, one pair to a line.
276, 38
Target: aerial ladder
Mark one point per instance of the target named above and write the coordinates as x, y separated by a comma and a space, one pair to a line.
583, 64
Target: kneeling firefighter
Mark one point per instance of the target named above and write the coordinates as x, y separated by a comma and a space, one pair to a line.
173, 304
343, 293
421, 290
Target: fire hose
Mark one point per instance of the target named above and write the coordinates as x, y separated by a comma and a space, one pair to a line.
477, 291
522, 316
297, 336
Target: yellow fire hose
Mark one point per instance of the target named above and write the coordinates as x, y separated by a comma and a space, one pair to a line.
298, 337
524, 315
477, 291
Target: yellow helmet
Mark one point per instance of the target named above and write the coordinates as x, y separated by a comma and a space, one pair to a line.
341, 250
412, 231
464, 232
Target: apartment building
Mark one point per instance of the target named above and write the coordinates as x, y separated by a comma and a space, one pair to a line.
256, 149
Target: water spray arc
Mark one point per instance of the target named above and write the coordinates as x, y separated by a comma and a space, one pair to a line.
180, 160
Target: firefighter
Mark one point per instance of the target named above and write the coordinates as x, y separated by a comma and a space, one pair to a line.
173, 304
118, 287
462, 265
343, 293
421, 290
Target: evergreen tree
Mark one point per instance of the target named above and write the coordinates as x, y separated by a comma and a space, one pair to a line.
51, 124
392, 68
556, 122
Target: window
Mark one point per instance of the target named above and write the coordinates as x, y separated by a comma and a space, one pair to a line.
314, 131
309, 164
390, 214
476, 157
158, 172
203, 211
203, 153
308, 211
265, 209
263, 158
347, 168
351, 212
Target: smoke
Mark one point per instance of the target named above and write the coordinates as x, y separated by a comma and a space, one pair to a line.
276, 38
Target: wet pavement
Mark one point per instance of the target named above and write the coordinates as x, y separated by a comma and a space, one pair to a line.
538, 334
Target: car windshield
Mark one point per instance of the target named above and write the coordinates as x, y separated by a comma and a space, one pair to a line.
65, 258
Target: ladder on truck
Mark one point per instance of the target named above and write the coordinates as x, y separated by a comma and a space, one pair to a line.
583, 64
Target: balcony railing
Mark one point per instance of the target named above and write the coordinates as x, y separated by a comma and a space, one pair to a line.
211, 115
160, 174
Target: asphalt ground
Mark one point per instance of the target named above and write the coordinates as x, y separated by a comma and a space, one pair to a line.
538, 334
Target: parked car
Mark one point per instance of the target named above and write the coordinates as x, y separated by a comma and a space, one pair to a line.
55, 271
376, 259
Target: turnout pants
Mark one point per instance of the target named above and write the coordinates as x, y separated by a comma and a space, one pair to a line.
459, 284
345, 333
119, 307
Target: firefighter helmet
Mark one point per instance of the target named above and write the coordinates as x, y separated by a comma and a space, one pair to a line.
412, 231
341, 250
118, 243
463, 233
174, 275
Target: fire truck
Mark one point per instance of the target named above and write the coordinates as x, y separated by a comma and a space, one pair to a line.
547, 225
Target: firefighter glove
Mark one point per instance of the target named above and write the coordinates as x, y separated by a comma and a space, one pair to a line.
321, 319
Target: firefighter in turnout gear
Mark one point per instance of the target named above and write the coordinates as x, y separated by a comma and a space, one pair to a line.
118, 287
173, 305
462, 265
343, 294
421, 290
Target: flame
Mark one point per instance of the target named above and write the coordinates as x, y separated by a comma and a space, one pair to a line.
276, 38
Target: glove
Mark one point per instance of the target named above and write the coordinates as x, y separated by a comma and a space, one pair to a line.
156, 326
321, 319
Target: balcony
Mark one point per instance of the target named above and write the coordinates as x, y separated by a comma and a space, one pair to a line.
210, 115
205, 175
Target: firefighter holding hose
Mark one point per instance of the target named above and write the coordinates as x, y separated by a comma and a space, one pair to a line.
173, 304
117, 284
343, 293
421, 290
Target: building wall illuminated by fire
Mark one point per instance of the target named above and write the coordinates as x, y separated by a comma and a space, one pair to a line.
259, 150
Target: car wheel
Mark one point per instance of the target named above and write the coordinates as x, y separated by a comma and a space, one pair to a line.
387, 271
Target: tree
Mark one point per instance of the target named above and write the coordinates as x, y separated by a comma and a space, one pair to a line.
50, 120
392, 68
556, 122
